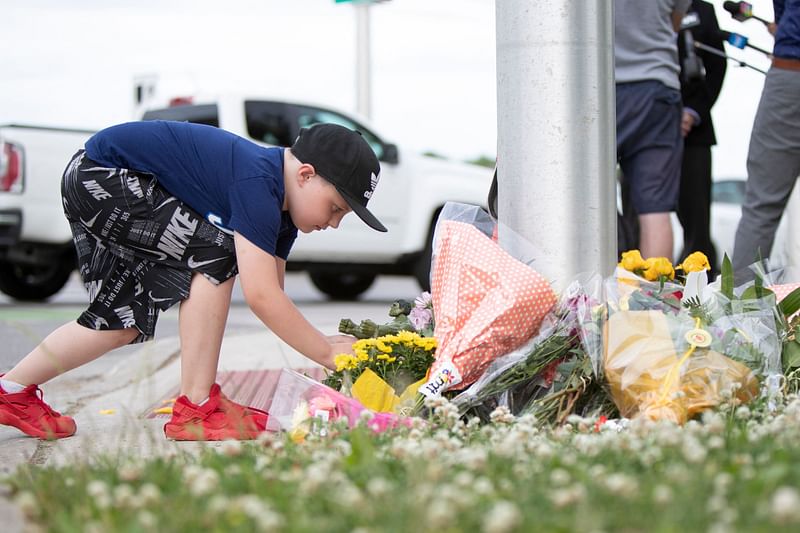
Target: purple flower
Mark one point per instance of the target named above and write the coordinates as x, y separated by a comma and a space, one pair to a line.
423, 301
420, 318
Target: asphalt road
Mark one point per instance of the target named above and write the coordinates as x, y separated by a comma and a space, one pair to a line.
23, 326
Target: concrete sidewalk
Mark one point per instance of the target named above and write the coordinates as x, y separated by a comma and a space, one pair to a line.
113, 408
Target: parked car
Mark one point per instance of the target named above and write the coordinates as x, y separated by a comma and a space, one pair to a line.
36, 255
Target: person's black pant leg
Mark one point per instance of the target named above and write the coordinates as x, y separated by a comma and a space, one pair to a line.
694, 204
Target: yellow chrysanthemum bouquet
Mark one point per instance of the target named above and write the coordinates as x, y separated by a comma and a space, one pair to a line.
384, 373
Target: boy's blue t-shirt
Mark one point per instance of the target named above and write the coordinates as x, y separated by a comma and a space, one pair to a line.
235, 184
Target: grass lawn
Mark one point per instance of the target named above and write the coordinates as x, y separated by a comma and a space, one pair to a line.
737, 469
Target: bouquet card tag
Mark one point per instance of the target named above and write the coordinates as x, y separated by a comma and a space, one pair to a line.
445, 376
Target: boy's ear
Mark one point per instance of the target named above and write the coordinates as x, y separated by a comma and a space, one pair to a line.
304, 173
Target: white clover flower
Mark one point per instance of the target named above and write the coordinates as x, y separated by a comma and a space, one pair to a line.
720, 527
218, 504
27, 504
717, 504
439, 515
502, 517
565, 497
785, 506
722, 481
693, 451
203, 482
560, 477
350, 496
662, 494
501, 415
149, 493
130, 472
262, 462
743, 412
147, 519
716, 443
123, 495
473, 423
231, 448
378, 487
269, 520
483, 487
621, 485
97, 488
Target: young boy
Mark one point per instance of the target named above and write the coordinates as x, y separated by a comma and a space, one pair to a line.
167, 212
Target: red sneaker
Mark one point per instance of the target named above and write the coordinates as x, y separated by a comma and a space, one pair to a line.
26, 411
217, 419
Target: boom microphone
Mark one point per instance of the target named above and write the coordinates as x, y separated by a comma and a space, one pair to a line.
739, 41
742, 11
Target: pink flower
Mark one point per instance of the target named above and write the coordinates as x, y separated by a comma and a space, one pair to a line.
424, 300
321, 403
420, 318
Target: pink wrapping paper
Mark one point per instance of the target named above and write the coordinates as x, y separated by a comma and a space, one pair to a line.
486, 303
781, 291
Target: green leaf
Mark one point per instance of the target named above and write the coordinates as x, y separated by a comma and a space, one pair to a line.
791, 303
727, 277
791, 355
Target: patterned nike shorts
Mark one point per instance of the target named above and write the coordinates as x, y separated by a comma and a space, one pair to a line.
137, 245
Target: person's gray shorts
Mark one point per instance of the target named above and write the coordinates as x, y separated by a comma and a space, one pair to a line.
650, 144
137, 245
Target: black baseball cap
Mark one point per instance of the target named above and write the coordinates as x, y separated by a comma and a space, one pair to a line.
345, 159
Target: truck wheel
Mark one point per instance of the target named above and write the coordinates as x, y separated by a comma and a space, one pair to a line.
34, 282
341, 285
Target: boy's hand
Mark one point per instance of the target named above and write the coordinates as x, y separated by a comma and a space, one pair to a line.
341, 339
339, 344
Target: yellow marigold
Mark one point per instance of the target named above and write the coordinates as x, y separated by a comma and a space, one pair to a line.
362, 344
632, 261
382, 346
361, 355
695, 262
407, 336
344, 361
426, 343
655, 267
383, 357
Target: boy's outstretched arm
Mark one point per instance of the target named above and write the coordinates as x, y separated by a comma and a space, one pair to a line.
261, 280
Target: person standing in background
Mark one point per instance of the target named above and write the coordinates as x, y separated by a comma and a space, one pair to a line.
773, 158
702, 74
649, 141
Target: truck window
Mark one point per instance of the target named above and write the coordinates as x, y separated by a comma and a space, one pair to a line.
197, 114
308, 116
267, 122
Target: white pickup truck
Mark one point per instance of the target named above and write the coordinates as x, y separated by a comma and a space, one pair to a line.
36, 254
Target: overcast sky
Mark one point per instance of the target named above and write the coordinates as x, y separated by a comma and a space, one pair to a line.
74, 62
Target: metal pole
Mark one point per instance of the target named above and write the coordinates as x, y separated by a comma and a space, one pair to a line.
363, 89
556, 132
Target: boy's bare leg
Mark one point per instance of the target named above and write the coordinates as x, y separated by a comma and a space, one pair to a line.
68, 347
655, 235
202, 321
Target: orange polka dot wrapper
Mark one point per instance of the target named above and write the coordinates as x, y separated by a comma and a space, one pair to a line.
486, 304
